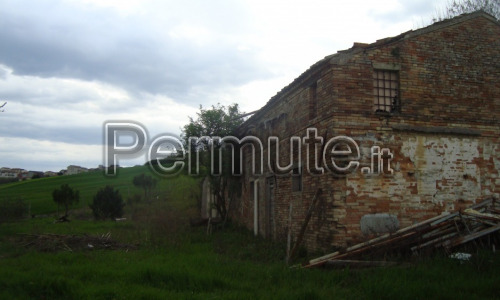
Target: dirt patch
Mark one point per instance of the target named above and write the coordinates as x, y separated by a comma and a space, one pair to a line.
57, 242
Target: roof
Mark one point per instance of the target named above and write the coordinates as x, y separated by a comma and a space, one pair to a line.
343, 55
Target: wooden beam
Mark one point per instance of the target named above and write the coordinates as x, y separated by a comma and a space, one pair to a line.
338, 263
470, 237
304, 224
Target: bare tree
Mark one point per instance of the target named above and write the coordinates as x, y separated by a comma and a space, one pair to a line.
2, 106
457, 7
66, 196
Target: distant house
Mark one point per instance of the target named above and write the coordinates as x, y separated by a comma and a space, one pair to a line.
13, 173
8, 173
34, 174
423, 112
50, 174
73, 170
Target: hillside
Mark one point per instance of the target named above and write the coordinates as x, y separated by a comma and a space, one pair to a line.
37, 193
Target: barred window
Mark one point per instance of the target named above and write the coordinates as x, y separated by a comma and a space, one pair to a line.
386, 91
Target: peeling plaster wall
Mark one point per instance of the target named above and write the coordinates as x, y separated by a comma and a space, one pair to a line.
445, 168
432, 174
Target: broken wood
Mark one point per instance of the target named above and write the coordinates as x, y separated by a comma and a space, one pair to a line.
472, 236
487, 216
304, 224
339, 263
58, 242
444, 231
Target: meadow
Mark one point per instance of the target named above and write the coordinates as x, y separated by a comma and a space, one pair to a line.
162, 257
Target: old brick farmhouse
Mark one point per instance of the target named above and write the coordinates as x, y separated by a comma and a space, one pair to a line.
423, 110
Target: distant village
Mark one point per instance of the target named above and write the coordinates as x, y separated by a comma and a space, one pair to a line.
14, 174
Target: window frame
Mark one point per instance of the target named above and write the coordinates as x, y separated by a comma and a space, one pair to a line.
386, 91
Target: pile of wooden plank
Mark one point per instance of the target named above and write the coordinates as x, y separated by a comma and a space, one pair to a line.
444, 231
60, 242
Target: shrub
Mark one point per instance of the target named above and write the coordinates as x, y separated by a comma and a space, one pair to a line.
8, 180
108, 203
11, 210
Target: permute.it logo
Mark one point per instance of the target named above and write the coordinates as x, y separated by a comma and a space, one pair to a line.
338, 156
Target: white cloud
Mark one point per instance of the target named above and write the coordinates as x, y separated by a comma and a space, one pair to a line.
46, 155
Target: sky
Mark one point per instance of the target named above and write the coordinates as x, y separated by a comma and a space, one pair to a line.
67, 67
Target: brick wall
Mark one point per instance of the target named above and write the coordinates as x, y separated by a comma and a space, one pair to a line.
444, 139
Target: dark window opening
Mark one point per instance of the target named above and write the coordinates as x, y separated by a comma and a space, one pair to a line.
296, 180
252, 188
386, 91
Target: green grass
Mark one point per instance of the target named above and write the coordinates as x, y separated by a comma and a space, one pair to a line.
197, 270
37, 193
175, 261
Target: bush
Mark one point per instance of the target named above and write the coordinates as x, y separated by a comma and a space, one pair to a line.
108, 203
11, 210
8, 180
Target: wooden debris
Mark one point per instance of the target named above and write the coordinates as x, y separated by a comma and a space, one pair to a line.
444, 231
59, 242
304, 225
339, 263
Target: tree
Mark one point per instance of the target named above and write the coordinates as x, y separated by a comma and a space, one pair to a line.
2, 106
146, 182
107, 203
65, 196
218, 121
457, 7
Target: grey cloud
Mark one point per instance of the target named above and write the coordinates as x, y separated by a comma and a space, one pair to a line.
69, 43
66, 133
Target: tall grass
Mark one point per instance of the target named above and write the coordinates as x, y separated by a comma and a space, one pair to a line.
198, 272
175, 261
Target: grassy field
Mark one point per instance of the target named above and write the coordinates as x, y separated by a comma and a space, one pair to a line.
164, 258
38, 193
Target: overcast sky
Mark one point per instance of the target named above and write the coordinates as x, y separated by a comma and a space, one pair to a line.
66, 67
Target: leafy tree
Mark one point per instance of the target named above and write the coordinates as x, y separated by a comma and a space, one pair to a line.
66, 196
146, 182
218, 121
108, 203
457, 7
